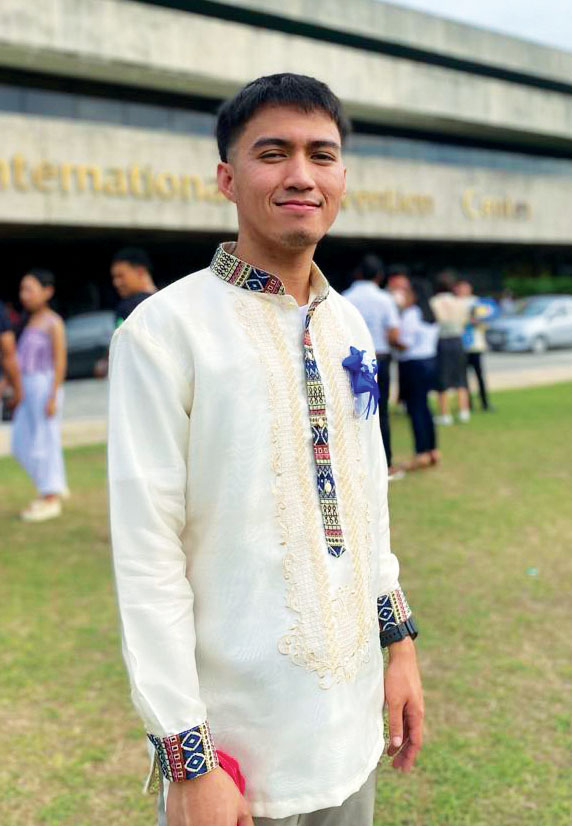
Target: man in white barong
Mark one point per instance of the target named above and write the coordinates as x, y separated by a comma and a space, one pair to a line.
248, 491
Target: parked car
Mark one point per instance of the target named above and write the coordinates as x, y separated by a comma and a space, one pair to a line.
536, 324
88, 337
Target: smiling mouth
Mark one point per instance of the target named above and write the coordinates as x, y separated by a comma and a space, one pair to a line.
298, 206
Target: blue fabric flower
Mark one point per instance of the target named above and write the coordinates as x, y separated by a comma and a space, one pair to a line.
363, 378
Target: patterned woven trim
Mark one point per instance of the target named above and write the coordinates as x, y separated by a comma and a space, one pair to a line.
328, 634
237, 272
231, 269
392, 610
186, 755
320, 438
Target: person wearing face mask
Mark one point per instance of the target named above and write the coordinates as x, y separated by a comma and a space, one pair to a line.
36, 440
418, 335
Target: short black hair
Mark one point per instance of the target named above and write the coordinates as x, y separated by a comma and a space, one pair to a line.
45, 277
445, 281
370, 267
135, 256
421, 291
398, 269
299, 91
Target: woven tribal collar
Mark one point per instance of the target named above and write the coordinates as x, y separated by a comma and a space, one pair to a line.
235, 271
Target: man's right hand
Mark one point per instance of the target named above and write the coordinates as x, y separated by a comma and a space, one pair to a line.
210, 800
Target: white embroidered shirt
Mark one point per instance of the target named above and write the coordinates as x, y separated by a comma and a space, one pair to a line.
251, 537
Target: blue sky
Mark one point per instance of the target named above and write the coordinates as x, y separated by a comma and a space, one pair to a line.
545, 21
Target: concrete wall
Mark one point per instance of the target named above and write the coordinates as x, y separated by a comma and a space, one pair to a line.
416, 29
78, 174
129, 42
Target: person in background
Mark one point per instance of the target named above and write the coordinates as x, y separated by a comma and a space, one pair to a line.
379, 312
9, 370
398, 278
418, 336
36, 440
131, 275
474, 340
13, 315
452, 314
397, 283
507, 302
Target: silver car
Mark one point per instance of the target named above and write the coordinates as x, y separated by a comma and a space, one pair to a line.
536, 324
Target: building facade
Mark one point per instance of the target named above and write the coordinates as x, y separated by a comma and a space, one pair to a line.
461, 153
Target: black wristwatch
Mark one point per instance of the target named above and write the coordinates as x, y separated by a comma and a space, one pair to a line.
398, 632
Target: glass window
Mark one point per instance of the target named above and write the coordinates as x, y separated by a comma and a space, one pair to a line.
147, 116
452, 155
90, 328
11, 99
534, 306
100, 109
199, 123
187, 122
53, 104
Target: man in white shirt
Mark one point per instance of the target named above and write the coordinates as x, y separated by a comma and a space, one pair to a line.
248, 503
380, 313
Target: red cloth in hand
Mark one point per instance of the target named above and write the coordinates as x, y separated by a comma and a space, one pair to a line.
231, 767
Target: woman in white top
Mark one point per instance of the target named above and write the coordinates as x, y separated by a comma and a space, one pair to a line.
418, 335
452, 314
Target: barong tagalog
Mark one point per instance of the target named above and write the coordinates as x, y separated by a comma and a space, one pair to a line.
250, 526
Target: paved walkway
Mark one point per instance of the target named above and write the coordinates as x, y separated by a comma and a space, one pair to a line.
86, 400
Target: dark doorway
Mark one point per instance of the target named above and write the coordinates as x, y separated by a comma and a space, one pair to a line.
80, 259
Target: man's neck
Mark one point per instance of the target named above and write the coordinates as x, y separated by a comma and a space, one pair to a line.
291, 266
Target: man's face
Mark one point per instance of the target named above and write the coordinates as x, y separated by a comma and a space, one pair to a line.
463, 289
127, 279
398, 282
286, 176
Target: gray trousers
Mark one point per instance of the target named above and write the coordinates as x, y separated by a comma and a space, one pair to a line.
357, 810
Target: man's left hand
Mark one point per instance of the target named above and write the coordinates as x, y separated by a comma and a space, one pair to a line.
404, 699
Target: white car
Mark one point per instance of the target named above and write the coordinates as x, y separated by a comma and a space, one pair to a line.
537, 324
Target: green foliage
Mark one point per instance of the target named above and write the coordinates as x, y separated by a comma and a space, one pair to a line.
543, 284
494, 643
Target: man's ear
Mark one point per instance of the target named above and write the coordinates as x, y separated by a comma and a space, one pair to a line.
225, 180
345, 181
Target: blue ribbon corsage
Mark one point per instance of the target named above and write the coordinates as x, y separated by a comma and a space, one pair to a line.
363, 380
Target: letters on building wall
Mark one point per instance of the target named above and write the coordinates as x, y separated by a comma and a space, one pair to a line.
142, 182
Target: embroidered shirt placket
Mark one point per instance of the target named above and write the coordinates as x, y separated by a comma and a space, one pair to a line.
320, 438
237, 272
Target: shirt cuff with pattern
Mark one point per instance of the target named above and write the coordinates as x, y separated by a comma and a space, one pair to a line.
187, 755
395, 619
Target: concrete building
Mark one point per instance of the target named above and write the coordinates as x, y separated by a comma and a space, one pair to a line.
461, 154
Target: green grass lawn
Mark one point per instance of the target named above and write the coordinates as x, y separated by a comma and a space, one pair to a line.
485, 549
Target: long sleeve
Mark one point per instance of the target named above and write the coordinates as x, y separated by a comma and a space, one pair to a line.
393, 611
150, 403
